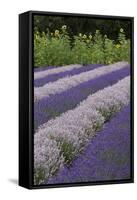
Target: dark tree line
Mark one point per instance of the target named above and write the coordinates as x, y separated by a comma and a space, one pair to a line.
76, 25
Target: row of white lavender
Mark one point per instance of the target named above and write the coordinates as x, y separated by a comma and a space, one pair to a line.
59, 140
57, 70
71, 81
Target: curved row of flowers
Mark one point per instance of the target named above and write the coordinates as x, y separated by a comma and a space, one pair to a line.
72, 81
104, 157
59, 140
54, 77
55, 105
57, 70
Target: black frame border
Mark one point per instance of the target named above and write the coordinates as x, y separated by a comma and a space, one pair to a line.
29, 147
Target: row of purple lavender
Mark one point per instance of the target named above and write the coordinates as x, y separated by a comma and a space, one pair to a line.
53, 106
68, 82
107, 156
72, 106
53, 77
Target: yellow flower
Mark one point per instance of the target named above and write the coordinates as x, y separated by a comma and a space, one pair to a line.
87, 41
37, 32
56, 32
117, 46
51, 34
121, 30
84, 36
37, 37
109, 62
90, 37
43, 34
97, 31
80, 34
64, 27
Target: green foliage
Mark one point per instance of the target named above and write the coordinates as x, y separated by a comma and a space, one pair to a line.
124, 50
39, 176
83, 25
53, 49
57, 48
109, 50
97, 48
67, 150
80, 51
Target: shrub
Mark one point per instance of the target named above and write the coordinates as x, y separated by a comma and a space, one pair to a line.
59, 49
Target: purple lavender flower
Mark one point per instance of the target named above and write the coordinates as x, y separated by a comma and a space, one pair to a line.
53, 77
57, 70
53, 106
74, 128
68, 82
42, 68
106, 157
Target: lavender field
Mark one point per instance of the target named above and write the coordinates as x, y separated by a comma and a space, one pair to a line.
82, 123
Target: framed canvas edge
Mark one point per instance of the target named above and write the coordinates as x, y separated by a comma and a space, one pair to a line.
31, 97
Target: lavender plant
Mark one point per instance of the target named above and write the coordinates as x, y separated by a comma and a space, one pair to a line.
47, 159
69, 82
48, 72
74, 128
51, 77
53, 106
106, 157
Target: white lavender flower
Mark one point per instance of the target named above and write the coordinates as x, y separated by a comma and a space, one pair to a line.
67, 134
47, 158
57, 70
72, 81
